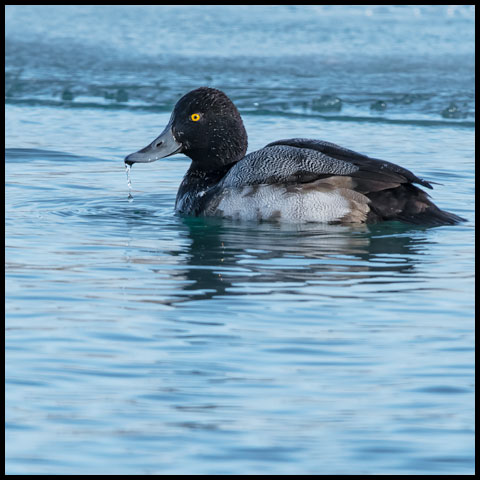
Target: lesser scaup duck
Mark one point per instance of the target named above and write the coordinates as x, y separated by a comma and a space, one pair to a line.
294, 180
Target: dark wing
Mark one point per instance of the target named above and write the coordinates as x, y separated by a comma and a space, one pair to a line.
368, 168
299, 160
285, 164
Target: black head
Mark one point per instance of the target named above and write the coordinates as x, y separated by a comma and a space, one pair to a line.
205, 125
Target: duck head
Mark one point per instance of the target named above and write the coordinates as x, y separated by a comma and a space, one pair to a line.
206, 126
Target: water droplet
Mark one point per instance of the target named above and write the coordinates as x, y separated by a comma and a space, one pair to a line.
129, 182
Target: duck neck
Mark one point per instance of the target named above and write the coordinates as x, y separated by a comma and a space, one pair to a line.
200, 177
196, 183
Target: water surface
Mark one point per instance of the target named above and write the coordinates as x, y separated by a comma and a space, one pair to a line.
140, 342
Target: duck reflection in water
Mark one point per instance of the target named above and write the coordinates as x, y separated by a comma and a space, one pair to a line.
227, 258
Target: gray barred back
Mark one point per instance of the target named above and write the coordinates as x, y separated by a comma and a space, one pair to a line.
284, 164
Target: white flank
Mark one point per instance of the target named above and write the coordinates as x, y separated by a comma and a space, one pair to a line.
270, 202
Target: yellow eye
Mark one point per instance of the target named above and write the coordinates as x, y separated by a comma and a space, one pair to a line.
195, 117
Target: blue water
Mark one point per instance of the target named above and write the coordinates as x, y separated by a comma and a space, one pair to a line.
140, 342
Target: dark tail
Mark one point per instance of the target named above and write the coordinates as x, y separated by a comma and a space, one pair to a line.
410, 204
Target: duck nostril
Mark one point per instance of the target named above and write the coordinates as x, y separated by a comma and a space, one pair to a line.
158, 144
